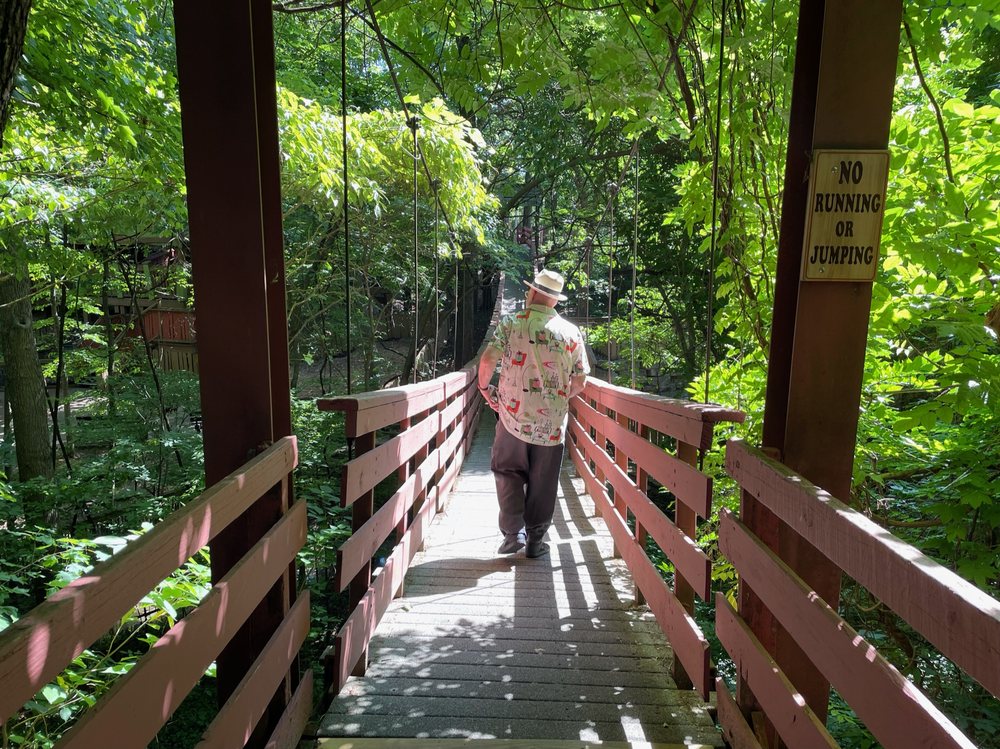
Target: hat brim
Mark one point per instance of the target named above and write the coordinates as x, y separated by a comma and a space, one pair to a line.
547, 292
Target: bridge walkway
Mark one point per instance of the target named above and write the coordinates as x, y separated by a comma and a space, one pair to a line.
481, 646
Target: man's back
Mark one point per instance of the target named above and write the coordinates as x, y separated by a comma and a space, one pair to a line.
541, 353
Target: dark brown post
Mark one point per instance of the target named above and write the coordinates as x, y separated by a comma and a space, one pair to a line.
225, 60
687, 521
845, 70
361, 513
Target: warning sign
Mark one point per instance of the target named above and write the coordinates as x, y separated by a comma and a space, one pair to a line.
844, 222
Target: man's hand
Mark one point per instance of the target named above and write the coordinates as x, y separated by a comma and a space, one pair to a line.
491, 396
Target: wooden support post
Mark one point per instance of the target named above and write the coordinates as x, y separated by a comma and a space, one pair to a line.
419, 457
845, 69
687, 521
442, 435
226, 75
621, 460
642, 481
361, 512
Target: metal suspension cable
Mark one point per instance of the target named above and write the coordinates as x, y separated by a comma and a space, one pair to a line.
347, 235
635, 259
437, 294
710, 327
406, 113
413, 124
611, 274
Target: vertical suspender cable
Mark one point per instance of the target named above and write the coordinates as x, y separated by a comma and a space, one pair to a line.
635, 262
437, 301
611, 266
715, 208
413, 125
347, 235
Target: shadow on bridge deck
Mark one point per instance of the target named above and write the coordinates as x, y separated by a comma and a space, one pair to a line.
532, 651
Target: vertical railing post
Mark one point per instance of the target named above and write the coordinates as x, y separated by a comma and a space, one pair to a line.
621, 459
642, 481
686, 520
361, 512
419, 458
403, 473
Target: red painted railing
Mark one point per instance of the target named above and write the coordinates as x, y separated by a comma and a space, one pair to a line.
959, 619
635, 424
435, 422
37, 647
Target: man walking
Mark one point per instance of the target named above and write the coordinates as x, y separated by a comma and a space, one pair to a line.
542, 366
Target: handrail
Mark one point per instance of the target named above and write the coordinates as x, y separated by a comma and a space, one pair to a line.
962, 621
632, 422
37, 647
437, 421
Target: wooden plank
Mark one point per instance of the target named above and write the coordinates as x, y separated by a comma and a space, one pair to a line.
436, 743
679, 548
687, 483
684, 420
958, 618
352, 639
234, 723
738, 733
365, 472
358, 550
686, 638
895, 711
175, 663
369, 412
288, 732
794, 721
37, 647
685, 426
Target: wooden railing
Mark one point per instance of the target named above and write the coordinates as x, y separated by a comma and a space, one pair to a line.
635, 424
37, 647
434, 422
959, 619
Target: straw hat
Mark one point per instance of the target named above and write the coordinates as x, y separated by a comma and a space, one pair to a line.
549, 283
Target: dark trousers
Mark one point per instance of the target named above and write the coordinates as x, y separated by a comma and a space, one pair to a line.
527, 479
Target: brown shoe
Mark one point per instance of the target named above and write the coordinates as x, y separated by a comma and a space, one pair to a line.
536, 549
511, 544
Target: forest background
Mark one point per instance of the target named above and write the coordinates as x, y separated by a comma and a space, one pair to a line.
591, 126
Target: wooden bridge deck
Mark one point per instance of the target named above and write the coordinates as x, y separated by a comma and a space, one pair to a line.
488, 647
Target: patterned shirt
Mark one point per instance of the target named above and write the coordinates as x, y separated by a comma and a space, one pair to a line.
541, 352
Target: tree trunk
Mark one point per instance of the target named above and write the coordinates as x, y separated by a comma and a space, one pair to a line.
25, 386
13, 25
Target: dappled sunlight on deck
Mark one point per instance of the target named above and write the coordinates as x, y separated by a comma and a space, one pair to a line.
481, 646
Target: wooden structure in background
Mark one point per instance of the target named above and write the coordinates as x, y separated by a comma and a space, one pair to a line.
167, 324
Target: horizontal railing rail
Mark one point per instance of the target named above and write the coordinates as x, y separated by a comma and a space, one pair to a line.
436, 421
39, 646
617, 479
959, 619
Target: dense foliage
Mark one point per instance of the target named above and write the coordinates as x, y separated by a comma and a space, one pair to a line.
587, 131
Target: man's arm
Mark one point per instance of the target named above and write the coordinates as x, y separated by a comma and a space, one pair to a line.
487, 366
576, 385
